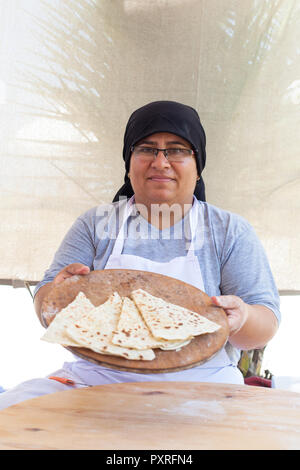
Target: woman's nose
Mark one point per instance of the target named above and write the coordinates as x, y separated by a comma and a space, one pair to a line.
160, 161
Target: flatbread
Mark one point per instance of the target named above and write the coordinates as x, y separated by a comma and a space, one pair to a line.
133, 332
94, 330
57, 330
169, 321
130, 328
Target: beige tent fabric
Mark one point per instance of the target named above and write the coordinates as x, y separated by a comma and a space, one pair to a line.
71, 72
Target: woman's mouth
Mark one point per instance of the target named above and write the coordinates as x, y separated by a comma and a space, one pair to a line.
160, 179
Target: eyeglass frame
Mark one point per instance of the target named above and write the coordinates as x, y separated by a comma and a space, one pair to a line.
192, 152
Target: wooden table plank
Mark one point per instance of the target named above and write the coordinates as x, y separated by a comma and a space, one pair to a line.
155, 416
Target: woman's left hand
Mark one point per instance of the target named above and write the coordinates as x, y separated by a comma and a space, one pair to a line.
236, 310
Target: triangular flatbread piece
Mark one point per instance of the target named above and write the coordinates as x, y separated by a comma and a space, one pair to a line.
133, 332
57, 330
94, 330
169, 321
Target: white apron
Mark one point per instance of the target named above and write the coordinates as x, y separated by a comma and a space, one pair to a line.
185, 268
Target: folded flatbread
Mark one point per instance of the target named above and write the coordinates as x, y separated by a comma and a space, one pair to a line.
169, 321
93, 328
132, 331
126, 327
57, 331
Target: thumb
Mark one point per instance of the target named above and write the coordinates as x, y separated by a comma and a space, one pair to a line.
84, 270
226, 301
77, 268
216, 300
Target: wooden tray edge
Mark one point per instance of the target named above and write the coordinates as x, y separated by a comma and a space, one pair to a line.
81, 355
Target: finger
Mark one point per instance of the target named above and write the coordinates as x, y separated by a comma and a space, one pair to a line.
226, 301
60, 277
71, 270
215, 300
77, 268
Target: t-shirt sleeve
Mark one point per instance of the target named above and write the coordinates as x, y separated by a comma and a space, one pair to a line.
77, 247
245, 271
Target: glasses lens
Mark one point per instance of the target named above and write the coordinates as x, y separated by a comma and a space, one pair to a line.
144, 153
178, 154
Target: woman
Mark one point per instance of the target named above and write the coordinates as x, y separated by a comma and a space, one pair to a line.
162, 224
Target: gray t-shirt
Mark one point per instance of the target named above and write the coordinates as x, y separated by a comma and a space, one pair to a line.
231, 257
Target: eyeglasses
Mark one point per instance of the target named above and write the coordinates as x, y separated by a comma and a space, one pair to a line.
148, 154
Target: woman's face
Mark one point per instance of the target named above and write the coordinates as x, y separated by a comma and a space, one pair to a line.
159, 181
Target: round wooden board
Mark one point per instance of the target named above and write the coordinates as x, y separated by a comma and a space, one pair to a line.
99, 285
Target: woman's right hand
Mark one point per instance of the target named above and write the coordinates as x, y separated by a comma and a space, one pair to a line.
65, 273
69, 271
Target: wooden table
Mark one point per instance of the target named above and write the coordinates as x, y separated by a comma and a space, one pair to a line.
155, 416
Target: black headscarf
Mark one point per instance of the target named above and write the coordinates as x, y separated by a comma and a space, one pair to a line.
164, 116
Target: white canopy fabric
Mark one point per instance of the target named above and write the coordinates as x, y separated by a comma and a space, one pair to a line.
71, 73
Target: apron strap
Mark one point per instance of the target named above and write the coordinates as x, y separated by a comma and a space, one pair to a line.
119, 243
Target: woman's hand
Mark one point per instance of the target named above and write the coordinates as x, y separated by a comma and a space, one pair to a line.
236, 310
65, 273
250, 326
69, 271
